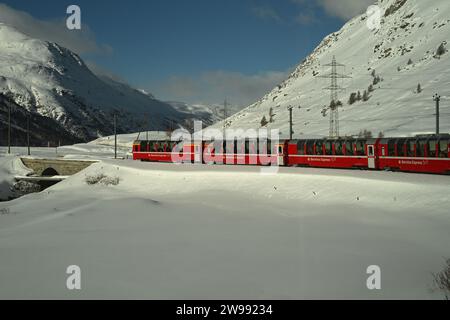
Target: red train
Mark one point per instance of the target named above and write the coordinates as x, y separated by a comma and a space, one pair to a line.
423, 154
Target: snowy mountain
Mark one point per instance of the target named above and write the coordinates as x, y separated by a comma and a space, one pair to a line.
208, 114
400, 66
53, 82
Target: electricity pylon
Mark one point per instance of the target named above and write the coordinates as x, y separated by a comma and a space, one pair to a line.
334, 89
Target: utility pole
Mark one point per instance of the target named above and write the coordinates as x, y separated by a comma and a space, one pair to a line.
225, 115
115, 136
146, 126
291, 132
334, 88
437, 98
28, 133
9, 128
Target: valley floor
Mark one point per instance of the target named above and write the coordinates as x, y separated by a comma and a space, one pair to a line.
220, 232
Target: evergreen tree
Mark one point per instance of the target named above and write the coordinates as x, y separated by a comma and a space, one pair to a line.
271, 115
365, 96
352, 98
264, 121
441, 50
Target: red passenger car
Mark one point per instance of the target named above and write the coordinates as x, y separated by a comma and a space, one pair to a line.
164, 151
429, 154
336, 153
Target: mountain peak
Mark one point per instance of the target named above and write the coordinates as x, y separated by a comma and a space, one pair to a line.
46, 78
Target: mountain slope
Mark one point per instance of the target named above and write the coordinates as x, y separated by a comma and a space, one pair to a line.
54, 82
394, 59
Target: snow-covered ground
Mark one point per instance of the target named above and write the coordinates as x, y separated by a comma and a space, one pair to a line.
208, 232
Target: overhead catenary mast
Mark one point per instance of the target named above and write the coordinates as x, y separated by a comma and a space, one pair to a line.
334, 89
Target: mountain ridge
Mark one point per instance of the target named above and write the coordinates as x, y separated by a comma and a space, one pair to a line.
388, 63
52, 81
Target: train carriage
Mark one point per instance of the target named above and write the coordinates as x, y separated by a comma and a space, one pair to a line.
241, 152
164, 151
428, 154
333, 153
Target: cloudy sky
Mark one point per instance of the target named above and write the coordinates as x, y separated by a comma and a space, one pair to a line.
199, 51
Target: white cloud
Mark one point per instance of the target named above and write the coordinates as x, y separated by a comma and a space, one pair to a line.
214, 87
345, 9
79, 41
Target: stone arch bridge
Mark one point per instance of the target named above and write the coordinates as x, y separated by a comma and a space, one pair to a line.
55, 167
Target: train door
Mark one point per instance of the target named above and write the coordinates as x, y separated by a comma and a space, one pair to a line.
371, 156
280, 155
197, 153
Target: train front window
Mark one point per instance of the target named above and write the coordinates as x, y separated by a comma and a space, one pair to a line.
443, 148
432, 148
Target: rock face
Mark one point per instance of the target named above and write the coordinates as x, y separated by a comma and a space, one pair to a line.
52, 82
394, 70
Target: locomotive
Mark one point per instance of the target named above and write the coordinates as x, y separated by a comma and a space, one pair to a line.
421, 154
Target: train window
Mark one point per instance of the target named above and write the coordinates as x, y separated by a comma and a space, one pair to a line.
310, 147
410, 148
319, 149
420, 148
391, 148
349, 148
241, 147
328, 148
431, 145
401, 147
443, 148
219, 146
360, 147
144, 146
252, 147
301, 147
247, 147
339, 149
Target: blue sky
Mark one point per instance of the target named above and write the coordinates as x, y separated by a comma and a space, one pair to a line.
198, 51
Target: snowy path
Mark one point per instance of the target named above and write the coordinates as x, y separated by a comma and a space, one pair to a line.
227, 232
